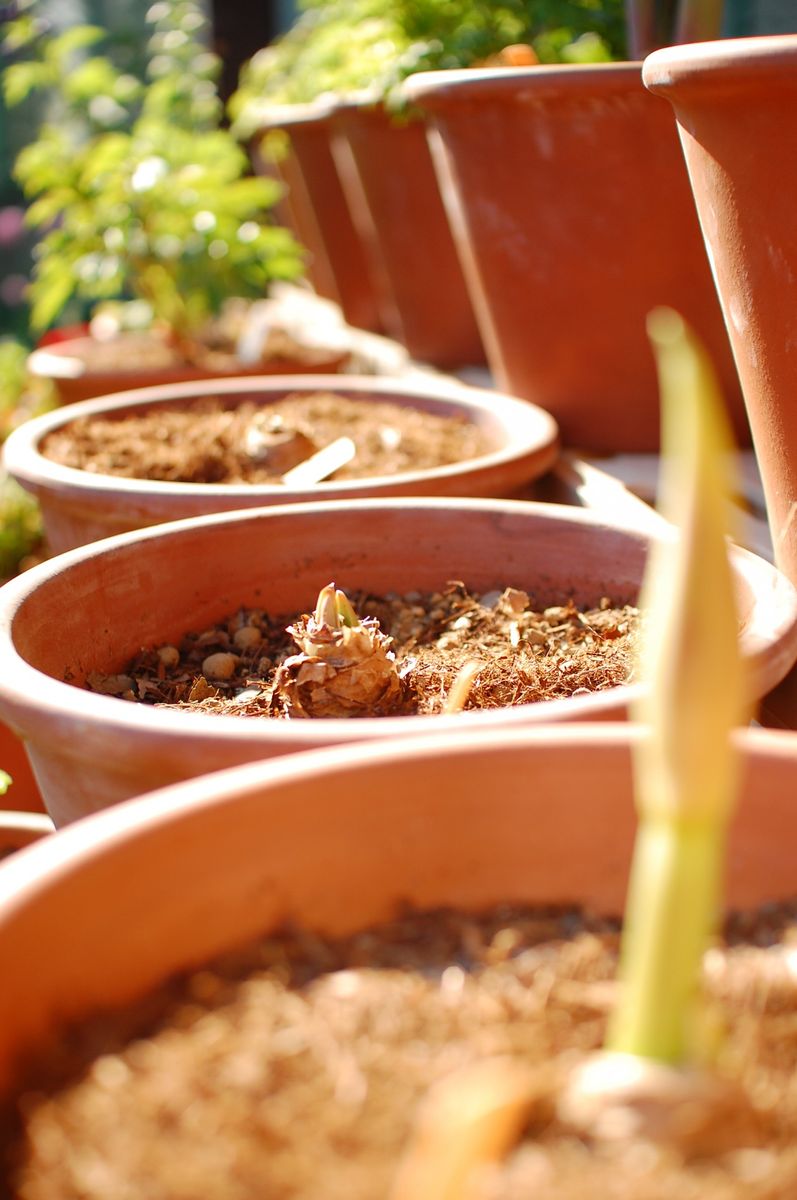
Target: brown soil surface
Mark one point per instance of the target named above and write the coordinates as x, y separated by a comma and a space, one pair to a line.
294, 1068
251, 443
525, 654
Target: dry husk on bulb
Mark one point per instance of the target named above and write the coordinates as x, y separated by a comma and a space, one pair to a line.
344, 667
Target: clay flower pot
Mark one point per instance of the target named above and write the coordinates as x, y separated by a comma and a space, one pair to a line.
335, 228
569, 200
67, 364
169, 881
736, 106
94, 608
80, 506
394, 171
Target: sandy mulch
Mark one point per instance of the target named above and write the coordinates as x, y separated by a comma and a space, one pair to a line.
251, 443
293, 1069
523, 654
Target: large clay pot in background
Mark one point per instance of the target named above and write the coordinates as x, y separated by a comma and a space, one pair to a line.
569, 199
81, 506
94, 608
335, 227
294, 211
736, 106
393, 169
108, 909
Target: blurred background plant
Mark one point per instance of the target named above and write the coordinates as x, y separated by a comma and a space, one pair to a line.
343, 46
136, 187
21, 396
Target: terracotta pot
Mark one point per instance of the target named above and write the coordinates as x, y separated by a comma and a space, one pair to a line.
568, 196
94, 608
736, 106
394, 171
80, 506
169, 881
20, 829
335, 227
64, 364
23, 795
294, 211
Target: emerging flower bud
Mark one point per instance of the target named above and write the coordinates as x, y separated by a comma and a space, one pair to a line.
345, 667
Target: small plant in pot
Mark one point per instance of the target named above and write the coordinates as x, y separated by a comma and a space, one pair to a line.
346, 1017
147, 211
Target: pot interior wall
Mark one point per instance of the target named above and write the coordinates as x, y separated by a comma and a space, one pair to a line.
546, 817
96, 612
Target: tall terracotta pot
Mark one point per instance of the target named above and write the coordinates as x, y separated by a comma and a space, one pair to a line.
335, 227
392, 167
106, 910
736, 106
93, 609
570, 203
294, 210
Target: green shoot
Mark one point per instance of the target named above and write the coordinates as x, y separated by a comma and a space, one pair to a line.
685, 768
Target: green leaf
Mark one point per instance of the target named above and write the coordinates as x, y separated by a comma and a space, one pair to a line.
20, 79
5, 782
49, 292
76, 38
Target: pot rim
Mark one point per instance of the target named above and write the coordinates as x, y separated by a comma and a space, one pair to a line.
433, 90
145, 857
527, 430
24, 689
271, 115
53, 858
704, 66
24, 827
769, 643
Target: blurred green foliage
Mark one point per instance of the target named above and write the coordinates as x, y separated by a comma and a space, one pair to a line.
343, 46
137, 188
20, 527
21, 397
5, 782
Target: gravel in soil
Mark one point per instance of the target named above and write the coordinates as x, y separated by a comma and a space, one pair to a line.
253, 443
294, 1067
524, 654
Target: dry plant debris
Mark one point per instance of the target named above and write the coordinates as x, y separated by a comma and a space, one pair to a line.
242, 665
294, 1067
208, 442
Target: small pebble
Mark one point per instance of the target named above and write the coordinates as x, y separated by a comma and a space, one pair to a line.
169, 656
247, 637
220, 666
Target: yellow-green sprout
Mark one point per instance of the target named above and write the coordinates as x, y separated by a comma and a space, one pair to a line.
685, 768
